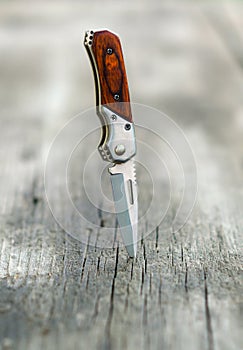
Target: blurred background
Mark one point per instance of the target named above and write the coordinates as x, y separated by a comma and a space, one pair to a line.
184, 58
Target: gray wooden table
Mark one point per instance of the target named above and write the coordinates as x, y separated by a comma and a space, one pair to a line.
183, 290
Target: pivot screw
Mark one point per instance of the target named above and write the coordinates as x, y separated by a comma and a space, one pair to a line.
113, 117
120, 150
127, 127
109, 51
116, 97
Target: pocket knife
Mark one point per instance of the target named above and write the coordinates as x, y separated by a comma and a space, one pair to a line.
118, 143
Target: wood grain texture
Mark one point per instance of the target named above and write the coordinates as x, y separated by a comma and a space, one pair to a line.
114, 91
184, 290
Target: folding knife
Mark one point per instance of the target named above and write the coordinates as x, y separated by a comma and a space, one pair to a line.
117, 144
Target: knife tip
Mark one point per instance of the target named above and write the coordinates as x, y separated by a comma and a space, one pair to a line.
132, 250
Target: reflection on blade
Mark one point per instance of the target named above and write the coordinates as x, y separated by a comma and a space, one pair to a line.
123, 180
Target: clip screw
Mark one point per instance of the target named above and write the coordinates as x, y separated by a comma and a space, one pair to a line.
127, 127
116, 97
109, 51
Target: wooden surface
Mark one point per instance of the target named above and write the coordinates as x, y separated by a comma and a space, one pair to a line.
184, 289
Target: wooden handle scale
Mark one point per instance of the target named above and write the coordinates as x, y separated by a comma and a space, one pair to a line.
105, 52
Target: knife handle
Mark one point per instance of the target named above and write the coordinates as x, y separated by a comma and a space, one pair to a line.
105, 52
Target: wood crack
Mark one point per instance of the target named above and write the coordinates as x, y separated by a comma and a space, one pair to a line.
208, 315
111, 307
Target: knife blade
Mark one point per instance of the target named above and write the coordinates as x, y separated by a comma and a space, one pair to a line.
123, 180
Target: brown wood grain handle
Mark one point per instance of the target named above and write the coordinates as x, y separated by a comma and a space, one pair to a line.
105, 52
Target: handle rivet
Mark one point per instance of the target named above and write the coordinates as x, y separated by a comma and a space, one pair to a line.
116, 97
113, 117
109, 51
127, 127
120, 150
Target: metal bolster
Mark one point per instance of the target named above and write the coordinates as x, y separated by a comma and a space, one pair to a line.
118, 144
